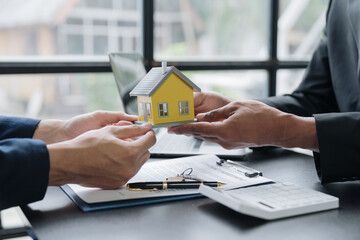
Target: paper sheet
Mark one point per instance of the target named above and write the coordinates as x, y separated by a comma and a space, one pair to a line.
204, 167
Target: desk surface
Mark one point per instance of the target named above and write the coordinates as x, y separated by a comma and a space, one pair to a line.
56, 217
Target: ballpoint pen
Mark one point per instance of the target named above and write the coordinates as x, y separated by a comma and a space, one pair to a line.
137, 186
248, 172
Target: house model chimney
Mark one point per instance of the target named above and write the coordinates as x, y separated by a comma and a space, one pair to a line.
163, 67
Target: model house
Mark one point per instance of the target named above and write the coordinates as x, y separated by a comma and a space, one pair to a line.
165, 97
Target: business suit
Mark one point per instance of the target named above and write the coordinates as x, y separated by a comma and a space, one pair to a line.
24, 162
330, 91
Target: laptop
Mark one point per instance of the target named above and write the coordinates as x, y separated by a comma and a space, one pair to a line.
128, 69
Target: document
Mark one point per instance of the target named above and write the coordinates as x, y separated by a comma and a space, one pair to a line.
204, 167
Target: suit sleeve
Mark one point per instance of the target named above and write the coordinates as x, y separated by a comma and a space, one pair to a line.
338, 133
315, 93
24, 163
15, 127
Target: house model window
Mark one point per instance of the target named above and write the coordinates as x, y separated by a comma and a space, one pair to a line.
140, 110
163, 110
148, 109
184, 108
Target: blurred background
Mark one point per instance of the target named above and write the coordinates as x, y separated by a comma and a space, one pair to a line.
53, 54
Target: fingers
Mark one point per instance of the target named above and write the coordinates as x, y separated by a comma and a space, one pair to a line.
121, 123
215, 115
198, 99
145, 142
131, 131
108, 117
203, 129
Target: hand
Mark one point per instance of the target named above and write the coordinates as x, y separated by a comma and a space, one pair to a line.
204, 102
106, 158
249, 124
52, 131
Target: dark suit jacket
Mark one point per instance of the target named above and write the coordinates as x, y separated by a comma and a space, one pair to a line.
330, 91
24, 162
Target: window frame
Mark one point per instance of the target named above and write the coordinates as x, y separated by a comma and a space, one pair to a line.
28, 65
148, 109
184, 108
140, 109
167, 107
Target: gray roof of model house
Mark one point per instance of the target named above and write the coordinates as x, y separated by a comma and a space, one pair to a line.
155, 77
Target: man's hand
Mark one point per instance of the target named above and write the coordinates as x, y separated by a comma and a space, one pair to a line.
52, 131
204, 102
242, 124
106, 158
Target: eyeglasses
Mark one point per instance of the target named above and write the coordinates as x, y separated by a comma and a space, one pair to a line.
185, 175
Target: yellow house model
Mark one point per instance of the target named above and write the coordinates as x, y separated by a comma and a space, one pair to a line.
165, 97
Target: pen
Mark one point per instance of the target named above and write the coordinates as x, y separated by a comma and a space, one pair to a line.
137, 186
249, 173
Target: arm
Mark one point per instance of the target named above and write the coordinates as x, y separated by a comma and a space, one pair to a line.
105, 157
24, 171
242, 124
315, 93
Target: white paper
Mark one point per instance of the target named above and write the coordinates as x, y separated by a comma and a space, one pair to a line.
204, 167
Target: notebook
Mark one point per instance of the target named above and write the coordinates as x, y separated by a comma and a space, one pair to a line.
128, 69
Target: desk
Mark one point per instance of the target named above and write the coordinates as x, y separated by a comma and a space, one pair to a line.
56, 217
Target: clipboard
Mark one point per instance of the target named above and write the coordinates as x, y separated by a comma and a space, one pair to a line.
206, 167
91, 207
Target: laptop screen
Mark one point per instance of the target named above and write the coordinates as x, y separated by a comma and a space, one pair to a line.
128, 70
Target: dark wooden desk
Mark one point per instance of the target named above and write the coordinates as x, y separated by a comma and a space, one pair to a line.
56, 217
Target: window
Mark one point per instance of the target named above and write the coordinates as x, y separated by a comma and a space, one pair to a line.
57, 95
148, 109
300, 27
163, 109
184, 108
288, 80
243, 49
230, 84
220, 30
84, 27
140, 107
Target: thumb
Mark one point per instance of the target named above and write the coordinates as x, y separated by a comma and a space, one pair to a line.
216, 115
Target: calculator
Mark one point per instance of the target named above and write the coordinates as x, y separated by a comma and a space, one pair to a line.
272, 200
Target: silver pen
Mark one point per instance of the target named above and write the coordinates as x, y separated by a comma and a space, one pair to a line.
249, 172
